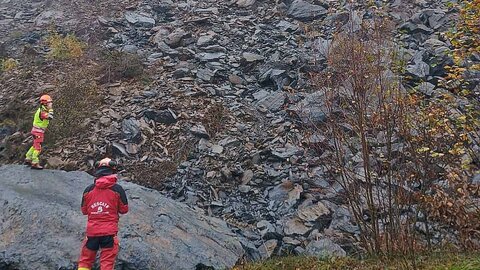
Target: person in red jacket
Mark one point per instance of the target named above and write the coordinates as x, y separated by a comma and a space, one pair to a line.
102, 202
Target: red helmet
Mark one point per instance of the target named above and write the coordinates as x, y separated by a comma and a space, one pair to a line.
45, 99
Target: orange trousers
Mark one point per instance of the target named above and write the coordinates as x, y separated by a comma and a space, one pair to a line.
108, 246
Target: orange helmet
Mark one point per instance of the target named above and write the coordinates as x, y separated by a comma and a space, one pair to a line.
106, 162
45, 99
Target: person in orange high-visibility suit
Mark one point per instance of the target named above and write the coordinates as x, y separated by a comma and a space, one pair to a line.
41, 119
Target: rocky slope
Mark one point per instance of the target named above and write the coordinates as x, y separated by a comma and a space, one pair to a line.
42, 226
248, 61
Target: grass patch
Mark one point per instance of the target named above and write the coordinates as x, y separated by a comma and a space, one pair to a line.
434, 261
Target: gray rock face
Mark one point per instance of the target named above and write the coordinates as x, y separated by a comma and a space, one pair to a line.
119, 150
341, 220
416, 28
302, 10
206, 74
426, 88
267, 248
419, 70
252, 57
324, 248
162, 116
47, 16
278, 77
270, 101
206, 39
199, 131
174, 39
245, 3
286, 152
131, 130
476, 179
42, 226
433, 44
311, 110
5, 131
138, 19
206, 57
295, 226
313, 212
435, 18
287, 26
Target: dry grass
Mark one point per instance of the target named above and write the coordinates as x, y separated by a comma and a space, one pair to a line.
215, 118
120, 65
434, 261
153, 175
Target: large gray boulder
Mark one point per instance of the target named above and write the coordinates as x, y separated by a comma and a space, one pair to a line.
324, 248
42, 227
305, 11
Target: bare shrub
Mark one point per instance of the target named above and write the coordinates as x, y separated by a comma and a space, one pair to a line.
153, 175
74, 101
120, 65
400, 159
15, 116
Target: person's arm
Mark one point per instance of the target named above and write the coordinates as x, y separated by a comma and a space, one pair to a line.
84, 206
123, 202
46, 114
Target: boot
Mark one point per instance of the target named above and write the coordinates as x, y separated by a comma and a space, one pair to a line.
36, 166
27, 161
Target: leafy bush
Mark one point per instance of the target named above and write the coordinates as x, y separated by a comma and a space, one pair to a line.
64, 47
8, 64
465, 38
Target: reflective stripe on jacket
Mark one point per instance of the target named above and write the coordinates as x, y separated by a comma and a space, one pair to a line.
40, 119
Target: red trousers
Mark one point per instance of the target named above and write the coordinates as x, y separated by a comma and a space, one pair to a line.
108, 246
38, 140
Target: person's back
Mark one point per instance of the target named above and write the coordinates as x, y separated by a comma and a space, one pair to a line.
102, 202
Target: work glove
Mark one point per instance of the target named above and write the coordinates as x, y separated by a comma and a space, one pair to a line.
50, 114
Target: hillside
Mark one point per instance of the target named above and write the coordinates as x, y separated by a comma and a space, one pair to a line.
310, 127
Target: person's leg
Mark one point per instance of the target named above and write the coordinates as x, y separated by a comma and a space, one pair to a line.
108, 252
29, 155
88, 253
37, 148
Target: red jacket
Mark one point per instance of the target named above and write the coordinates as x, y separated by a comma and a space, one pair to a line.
102, 201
